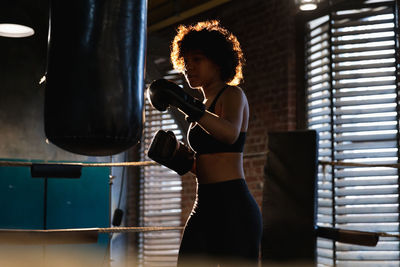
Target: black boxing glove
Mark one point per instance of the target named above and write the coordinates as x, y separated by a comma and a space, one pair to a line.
163, 93
169, 152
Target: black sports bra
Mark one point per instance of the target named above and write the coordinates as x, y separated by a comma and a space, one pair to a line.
203, 143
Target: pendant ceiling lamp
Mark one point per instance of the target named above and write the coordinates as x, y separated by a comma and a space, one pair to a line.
14, 21
307, 5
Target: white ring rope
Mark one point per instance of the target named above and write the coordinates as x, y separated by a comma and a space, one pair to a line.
99, 230
354, 164
101, 164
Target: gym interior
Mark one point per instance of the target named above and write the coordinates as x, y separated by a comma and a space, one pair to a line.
322, 149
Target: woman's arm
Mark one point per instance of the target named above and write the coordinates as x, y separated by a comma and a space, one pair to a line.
226, 125
193, 170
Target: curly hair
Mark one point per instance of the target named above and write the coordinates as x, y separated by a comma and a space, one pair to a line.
215, 42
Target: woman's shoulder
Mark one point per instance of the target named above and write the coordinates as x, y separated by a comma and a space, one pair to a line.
234, 93
233, 90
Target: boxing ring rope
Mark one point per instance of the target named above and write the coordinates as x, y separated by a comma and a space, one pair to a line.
333, 163
126, 229
354, 164
153, 163
101, 164
70, 236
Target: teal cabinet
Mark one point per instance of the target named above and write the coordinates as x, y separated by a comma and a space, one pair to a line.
58, 203
21, 199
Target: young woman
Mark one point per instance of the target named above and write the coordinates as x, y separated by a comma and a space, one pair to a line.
225, 226
226, 222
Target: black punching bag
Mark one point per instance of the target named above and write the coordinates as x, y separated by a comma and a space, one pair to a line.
95, 75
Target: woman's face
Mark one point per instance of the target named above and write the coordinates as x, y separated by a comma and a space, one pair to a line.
200, 71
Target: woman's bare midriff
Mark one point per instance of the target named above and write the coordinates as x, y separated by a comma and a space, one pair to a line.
219, 167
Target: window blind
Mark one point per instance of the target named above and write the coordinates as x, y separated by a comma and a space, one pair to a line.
160, 198
352, 101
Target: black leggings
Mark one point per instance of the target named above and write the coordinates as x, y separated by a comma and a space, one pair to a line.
225, 227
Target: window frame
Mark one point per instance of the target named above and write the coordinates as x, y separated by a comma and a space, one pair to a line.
301, 21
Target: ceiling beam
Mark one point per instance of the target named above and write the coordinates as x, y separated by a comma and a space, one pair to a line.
186, 14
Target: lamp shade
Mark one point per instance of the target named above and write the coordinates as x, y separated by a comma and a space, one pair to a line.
307, 5
14, 21
15, 30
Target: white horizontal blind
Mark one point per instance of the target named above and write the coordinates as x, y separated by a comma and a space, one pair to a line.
160, 198
318, 71
352, 102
